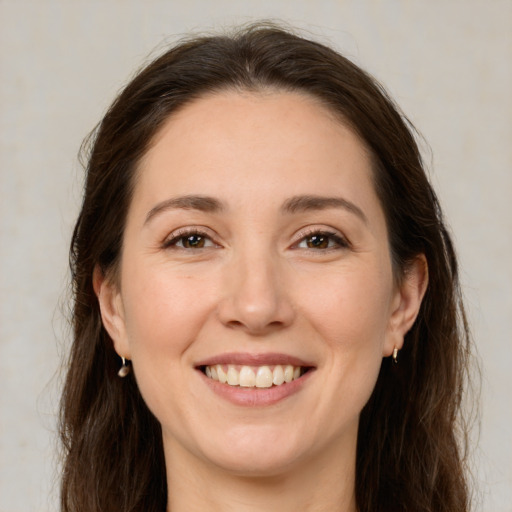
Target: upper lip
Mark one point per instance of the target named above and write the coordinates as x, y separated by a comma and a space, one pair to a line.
247, 359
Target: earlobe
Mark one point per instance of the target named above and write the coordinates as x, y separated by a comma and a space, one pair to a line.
112, 312
407, 303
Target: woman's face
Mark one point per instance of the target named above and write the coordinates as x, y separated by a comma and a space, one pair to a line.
256, 251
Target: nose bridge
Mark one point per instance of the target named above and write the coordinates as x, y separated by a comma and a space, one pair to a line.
256, 298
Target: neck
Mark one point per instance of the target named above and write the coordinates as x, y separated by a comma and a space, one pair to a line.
323, 484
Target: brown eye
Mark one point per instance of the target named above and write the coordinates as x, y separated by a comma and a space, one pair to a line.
317, 242
323, 240
190, 240
193, 242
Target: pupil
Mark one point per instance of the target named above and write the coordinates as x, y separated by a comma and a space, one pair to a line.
318, 241
194, 241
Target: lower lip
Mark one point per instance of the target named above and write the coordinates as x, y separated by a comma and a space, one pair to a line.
256, 397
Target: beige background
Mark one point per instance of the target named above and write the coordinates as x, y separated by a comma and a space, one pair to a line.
448, 64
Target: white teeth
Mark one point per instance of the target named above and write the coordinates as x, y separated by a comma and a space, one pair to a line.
264, 377
278, 377
221, 374
288, 373
247, 377
233, 377
250, 376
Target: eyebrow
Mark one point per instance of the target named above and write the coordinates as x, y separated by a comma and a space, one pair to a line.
306, 203
296, 204
189, 202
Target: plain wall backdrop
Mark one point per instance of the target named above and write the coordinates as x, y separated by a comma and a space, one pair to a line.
447, 63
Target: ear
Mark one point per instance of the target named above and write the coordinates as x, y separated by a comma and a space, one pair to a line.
112, 312
406, 303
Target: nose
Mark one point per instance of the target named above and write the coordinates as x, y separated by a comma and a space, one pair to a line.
255, 297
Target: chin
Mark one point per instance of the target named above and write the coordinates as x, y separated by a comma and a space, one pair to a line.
255, 451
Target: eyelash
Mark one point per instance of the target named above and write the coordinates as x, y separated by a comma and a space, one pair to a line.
183, 235
338, 241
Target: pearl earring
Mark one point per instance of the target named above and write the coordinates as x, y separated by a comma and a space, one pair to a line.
124, 370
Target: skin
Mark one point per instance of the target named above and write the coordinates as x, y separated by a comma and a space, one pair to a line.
258, 285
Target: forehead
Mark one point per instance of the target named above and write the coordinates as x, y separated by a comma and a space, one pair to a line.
267, 144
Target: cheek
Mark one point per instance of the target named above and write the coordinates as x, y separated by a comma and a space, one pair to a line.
350, 308
350, 313
163, 311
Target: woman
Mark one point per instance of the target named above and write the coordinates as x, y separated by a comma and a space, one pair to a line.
267, 313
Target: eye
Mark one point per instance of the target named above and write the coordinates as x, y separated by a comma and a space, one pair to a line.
189, 240
322, 240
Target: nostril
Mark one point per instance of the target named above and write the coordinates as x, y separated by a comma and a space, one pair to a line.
235, 324
255, 328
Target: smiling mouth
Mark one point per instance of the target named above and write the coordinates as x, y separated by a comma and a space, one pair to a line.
254, 376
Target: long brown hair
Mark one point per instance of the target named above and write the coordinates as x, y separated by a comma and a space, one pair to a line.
411, 444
